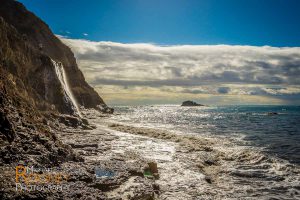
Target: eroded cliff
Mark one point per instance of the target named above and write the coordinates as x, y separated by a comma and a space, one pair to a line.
27, 47
33, 97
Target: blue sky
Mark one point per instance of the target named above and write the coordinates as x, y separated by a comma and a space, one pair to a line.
167, 51
170, 22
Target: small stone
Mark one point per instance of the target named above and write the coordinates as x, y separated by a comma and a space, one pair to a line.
153, 167
208, 179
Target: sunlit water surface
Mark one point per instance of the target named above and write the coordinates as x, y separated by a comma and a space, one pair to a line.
278, 135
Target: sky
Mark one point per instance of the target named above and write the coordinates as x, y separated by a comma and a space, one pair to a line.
167, 51
173, 22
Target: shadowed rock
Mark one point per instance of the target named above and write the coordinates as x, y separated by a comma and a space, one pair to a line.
190, 103
27, 47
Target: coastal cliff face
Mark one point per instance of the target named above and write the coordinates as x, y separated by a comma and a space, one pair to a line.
41, 90
39, 83
40, 87
27, 49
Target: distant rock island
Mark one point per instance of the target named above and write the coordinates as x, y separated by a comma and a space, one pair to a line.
190, 103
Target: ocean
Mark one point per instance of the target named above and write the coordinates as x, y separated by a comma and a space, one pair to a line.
274, 134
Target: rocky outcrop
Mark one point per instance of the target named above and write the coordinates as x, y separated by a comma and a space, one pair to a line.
27, 47
105, 109
25, 134
190, 103
34, 102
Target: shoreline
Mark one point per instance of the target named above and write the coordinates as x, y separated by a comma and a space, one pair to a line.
189, 166
192, 167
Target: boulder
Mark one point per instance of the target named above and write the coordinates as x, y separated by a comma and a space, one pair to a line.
151, 170
105, 109
153, 167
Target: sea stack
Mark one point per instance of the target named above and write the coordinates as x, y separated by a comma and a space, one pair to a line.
190, 103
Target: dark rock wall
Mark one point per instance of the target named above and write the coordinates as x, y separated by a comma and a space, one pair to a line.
27, 52
31, 96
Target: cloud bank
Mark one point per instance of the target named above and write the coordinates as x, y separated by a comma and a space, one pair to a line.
191, 69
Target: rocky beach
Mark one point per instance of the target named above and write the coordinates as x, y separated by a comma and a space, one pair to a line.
60, 140
189, 166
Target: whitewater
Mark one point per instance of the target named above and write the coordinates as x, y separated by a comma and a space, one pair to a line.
225, 152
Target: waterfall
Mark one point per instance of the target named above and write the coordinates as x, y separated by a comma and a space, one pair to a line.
68, 95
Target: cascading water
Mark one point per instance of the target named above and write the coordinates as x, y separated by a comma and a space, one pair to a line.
60, 72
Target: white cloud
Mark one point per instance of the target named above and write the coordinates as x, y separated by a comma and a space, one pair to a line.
85, 34
198, 69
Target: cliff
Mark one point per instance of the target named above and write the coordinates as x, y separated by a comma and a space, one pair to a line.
27, 47
41, 90
39, 83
